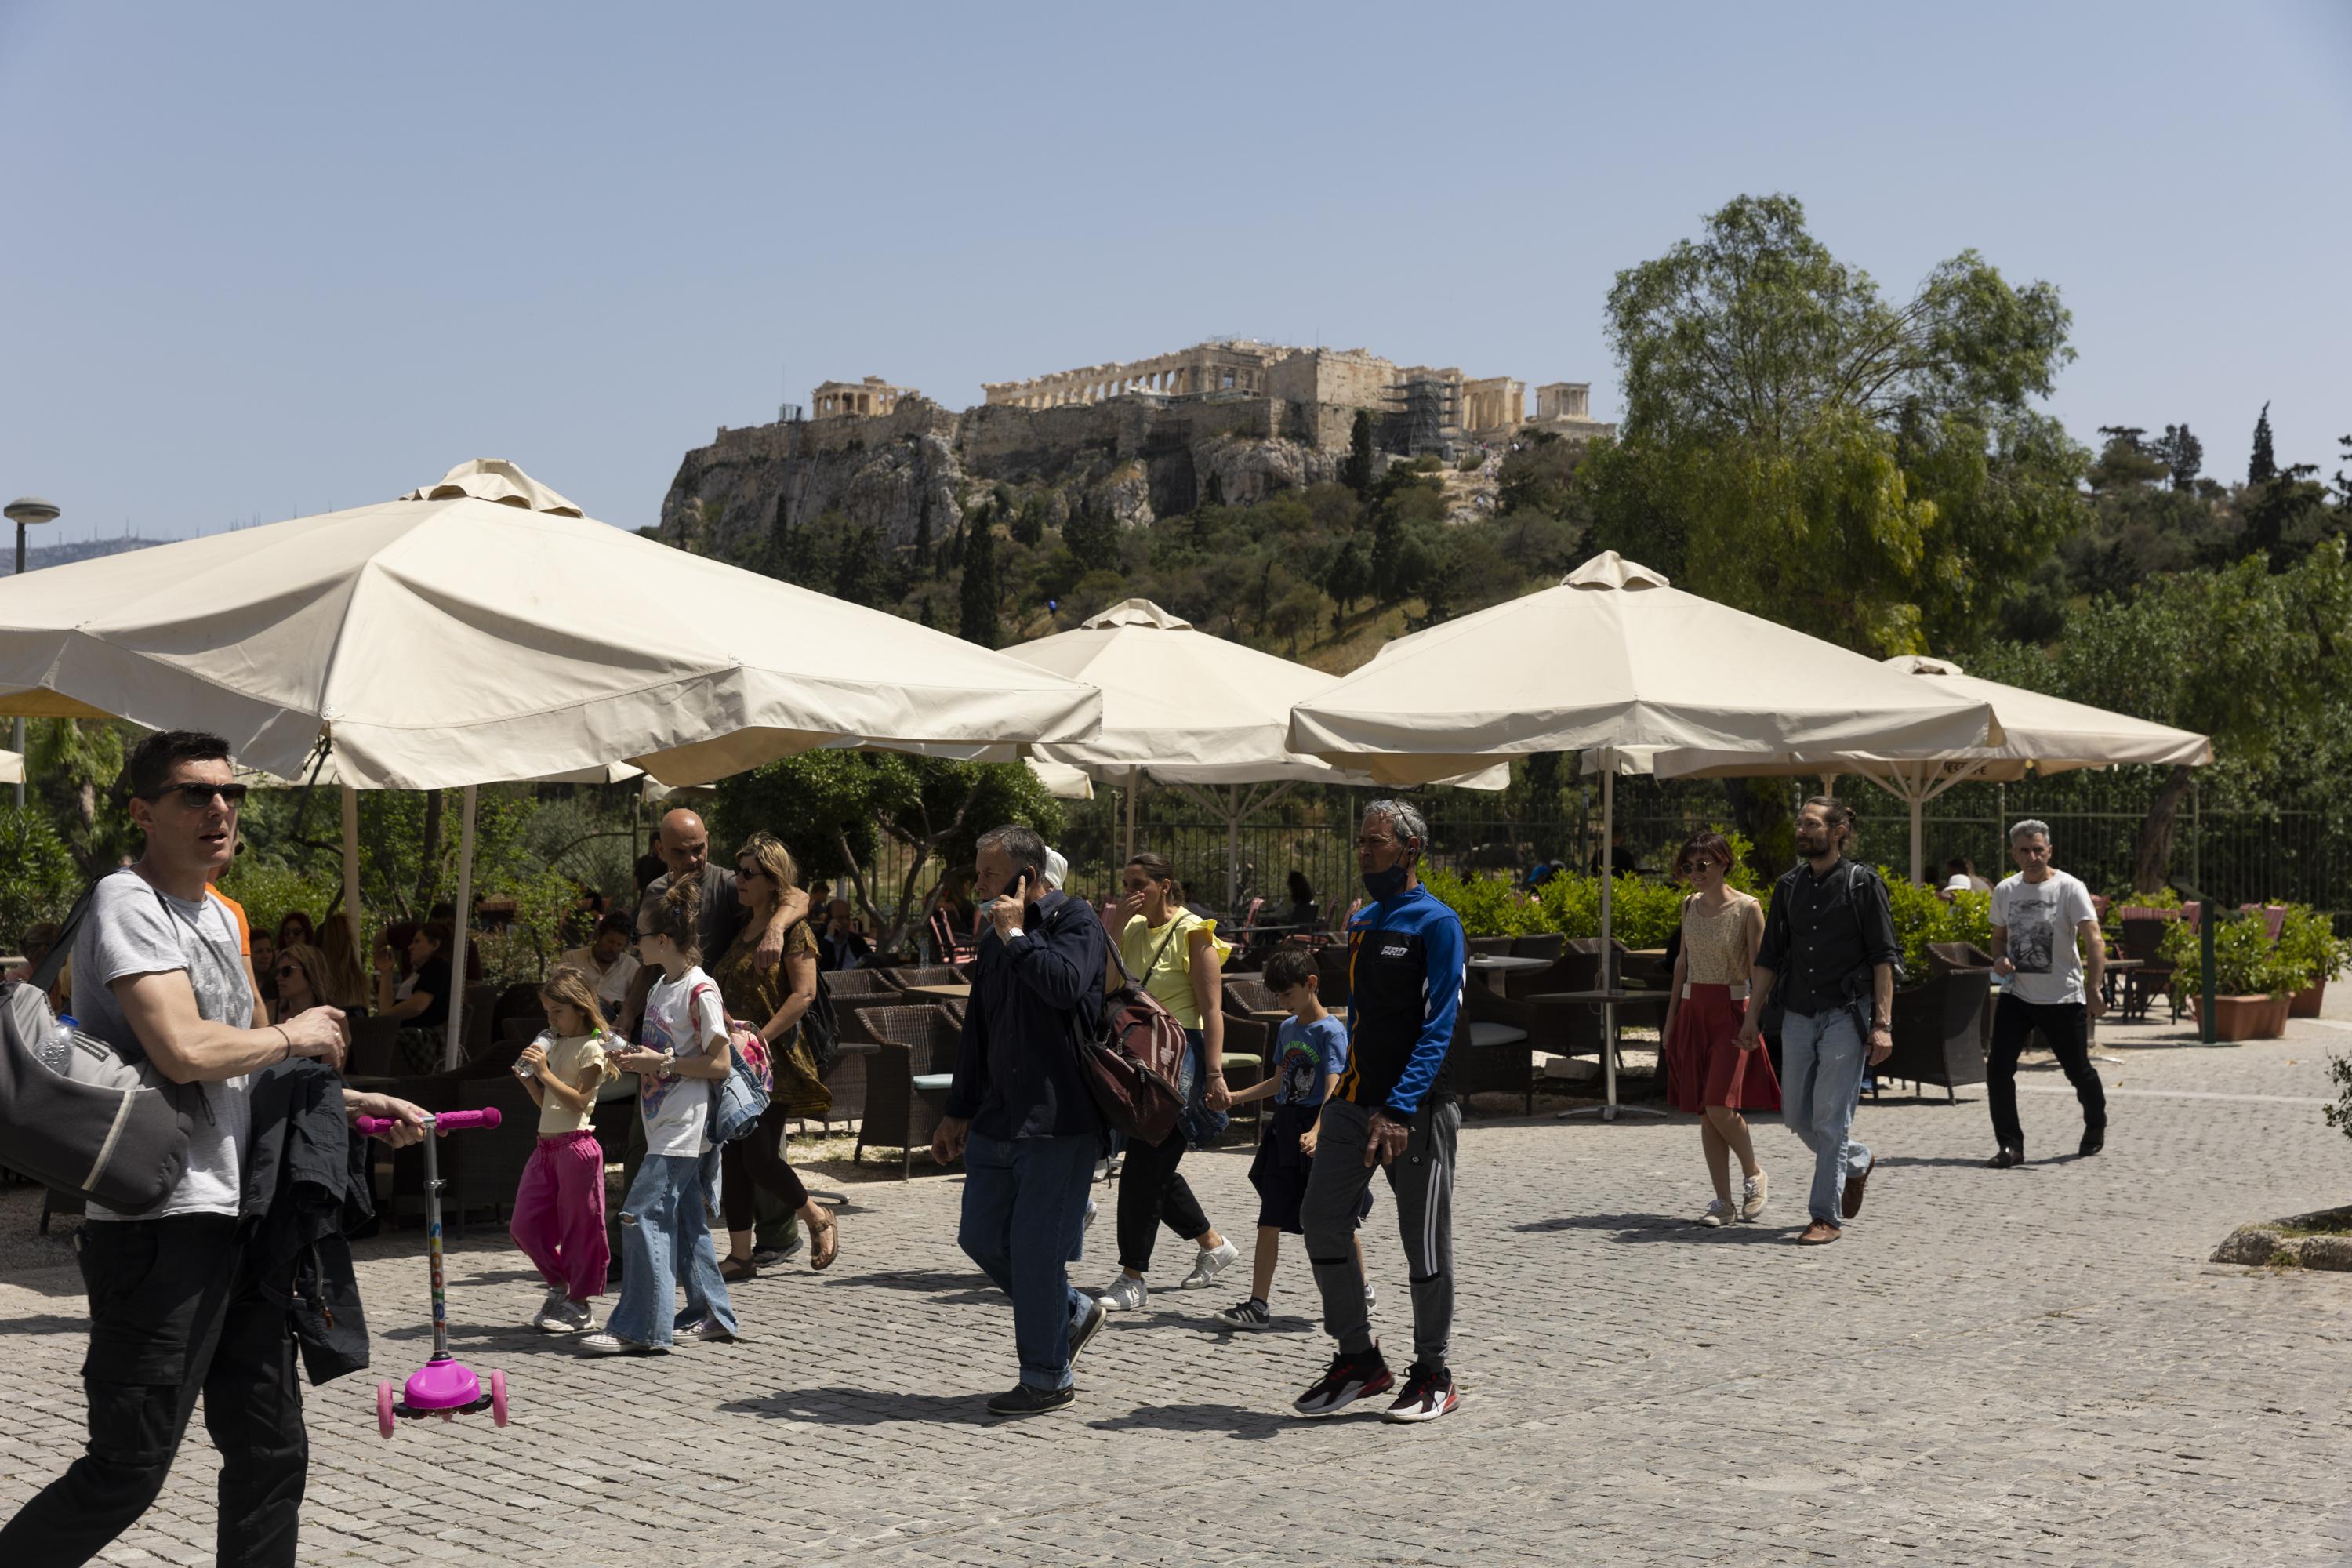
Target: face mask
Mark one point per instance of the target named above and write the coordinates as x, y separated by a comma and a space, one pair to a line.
1386, 884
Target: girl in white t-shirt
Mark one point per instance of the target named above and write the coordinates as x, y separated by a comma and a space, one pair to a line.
665, 1233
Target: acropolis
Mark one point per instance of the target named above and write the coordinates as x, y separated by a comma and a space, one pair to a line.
1243, 368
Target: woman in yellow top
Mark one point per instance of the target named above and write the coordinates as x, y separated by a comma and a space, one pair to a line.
1177, 956
774, 1001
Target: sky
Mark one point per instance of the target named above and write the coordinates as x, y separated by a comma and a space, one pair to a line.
267, 260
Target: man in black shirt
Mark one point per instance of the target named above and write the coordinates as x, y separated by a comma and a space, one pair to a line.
1829, 940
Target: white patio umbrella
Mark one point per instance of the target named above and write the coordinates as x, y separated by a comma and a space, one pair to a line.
1615, 660
12, 767
1194, 711
461, 638
2043, 734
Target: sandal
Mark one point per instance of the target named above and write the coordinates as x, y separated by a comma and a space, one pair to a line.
735, 1270
824, 1245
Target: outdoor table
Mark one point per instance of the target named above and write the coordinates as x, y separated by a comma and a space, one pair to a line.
1612, 1000
941, 993
1497, 966
2126, 968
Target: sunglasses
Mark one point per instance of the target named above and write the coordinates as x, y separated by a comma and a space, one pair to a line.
288, 971
200, 795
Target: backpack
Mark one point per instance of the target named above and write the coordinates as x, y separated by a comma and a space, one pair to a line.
821, 1027
77, 1114
1137, 1065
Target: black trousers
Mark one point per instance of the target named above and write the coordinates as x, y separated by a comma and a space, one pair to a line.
175, 1313
1152, 1191
758, 1161
2065, 1024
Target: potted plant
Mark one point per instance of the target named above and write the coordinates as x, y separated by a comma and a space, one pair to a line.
2308, 942
2251, 983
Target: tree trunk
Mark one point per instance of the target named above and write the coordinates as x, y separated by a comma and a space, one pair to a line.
2152, 850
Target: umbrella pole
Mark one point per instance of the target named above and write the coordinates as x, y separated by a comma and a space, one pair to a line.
1134, 781
454, 1045
1918, 810
351, 870
1233, 852
1608, 1108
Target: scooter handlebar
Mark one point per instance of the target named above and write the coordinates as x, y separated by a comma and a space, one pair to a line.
446, 1121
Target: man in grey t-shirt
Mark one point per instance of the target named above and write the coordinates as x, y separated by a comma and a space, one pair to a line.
175, 1309
2038, 917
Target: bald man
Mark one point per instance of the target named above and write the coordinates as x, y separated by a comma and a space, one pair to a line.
686, 850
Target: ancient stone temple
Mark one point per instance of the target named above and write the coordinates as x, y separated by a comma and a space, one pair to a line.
871, 396
1231, 365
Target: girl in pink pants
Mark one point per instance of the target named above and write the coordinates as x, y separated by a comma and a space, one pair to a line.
559, 1209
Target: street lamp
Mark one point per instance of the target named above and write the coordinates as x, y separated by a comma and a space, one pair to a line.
24, 511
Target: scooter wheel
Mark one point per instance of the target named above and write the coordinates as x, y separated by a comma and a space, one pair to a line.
383, 1418
498, 1398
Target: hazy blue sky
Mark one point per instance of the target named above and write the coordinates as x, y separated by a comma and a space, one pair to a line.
262, 260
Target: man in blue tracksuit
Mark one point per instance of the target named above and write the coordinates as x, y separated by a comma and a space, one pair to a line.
1405, 955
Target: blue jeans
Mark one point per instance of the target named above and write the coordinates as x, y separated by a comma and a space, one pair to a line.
1024, 1211
1822, 1063
665, 1239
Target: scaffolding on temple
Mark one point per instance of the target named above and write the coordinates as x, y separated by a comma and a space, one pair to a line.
1424, 417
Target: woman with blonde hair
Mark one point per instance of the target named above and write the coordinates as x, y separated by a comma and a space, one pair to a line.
774, 1001
300, 972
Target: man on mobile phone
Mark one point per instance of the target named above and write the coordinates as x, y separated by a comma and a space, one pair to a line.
1019, 1114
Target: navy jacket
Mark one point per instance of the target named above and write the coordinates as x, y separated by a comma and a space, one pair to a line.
1405, 966
1034, 998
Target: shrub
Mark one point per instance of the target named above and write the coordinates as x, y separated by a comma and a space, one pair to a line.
1489, 906
1922, 916
1472, 461
2308, 945
2244, 962
41, 883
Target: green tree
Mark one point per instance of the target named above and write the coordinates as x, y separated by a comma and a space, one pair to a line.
977, 598
2183, 455
834, 809
74, 763
1356, 473
42, 880
1092, 535
2263, 467
1873, 472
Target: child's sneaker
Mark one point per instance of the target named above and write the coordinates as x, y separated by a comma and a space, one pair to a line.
1212, 1262
1717, 1213
1372, 1297
1751, 1196
607, 1343
707, 1331
1250, 1314
566, 1317
554, 1299
1125, 1295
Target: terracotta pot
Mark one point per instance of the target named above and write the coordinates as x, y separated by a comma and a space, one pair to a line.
2304, 1004
2274, 1016
2237, 1018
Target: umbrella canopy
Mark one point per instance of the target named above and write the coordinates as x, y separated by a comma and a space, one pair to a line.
12, 767
464, 640
2040, 733
1191, 710
1615, 657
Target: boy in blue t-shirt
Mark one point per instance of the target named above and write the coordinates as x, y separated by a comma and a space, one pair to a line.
1310, 1052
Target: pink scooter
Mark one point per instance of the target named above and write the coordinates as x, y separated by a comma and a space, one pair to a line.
442, 1386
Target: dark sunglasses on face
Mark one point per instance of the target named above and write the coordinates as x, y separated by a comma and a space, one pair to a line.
288, 971
200, 795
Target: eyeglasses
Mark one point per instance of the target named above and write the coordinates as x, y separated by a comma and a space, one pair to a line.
200, 795
647, 935
287, 971
750, 871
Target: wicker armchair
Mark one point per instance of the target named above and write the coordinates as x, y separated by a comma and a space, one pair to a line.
924, 974
1246, 994
907, 1079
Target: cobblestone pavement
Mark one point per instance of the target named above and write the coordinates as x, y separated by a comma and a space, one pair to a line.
2031, 1366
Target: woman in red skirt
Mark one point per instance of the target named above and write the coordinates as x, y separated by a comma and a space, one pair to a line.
1706, 1072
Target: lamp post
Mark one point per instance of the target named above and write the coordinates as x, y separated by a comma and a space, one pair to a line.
24, 511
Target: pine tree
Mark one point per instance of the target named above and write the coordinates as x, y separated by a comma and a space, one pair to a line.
978, 589
2264, 468
1091, 536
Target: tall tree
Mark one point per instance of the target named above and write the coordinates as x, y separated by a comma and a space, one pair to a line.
2263, 467
979, 589
1358, 473
1874, 472
1091, 534
2183, 455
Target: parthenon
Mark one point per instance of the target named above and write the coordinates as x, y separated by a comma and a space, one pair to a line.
1233, 364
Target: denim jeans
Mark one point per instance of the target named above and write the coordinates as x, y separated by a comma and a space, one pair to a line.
666, 1240
1822, 1062
1024, 1210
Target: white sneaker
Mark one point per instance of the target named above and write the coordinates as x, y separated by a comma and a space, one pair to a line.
1125, 1295
706, 1331
566, 1317
1209, 1262
1372, 1297
1751, 1196
1717, 1213
548, 1305
607, 1344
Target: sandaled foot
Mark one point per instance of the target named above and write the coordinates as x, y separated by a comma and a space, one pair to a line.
735, 1270
824, 1244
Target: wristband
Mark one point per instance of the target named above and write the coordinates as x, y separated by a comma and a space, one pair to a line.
287, 1040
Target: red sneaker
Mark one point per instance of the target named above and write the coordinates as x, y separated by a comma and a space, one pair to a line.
1347, 1379
1428, 1394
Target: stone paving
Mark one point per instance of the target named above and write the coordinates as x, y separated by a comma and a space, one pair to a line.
2033, 1366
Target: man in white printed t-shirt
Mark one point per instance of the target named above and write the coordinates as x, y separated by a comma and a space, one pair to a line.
175, 1310
2039, 916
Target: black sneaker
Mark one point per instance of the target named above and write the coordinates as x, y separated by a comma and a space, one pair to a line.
1428, 1394
769, 1256
1251, 1314
1021, 1399
2093, 1139
1083, 1331
1347, 1379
